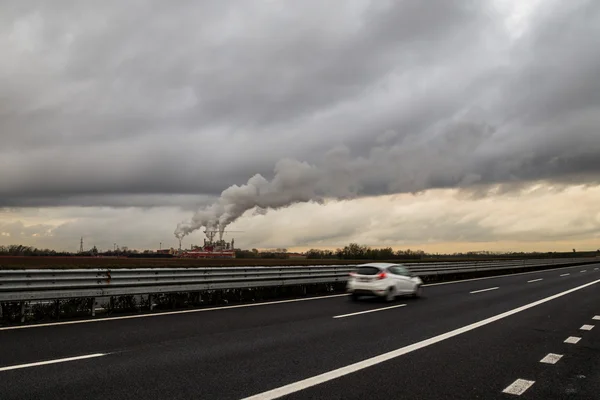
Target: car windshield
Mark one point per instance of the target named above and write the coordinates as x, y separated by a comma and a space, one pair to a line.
367, 270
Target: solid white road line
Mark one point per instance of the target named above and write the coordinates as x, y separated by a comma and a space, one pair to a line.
171, 312
551, 358
587, 327
535, 280
596, 318
59, 360
369, 311
518, 387
565, 274
572, 340
337, 373
484, 290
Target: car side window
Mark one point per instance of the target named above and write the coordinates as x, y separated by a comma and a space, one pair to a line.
400, 271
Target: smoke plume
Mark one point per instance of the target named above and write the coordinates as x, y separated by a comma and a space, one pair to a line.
293, 182
461, 154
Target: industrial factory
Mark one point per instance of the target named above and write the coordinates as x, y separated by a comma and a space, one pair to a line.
212, 248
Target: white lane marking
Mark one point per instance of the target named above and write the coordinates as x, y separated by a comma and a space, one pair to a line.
170, 312
565, 274
535, 280
585, 270
337, 373
595, 269
518, 387
501, 276
484, 290
59, 360
551, 358
369, 311
596, 318
587, 327
572, 340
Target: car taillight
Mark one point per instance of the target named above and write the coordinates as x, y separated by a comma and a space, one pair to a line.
381, 275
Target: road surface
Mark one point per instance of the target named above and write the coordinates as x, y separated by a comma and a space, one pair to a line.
477, 339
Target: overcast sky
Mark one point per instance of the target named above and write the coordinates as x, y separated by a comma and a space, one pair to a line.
444, 125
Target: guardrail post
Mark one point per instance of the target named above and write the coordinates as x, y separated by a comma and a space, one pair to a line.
93, 306
22, 311
150, 302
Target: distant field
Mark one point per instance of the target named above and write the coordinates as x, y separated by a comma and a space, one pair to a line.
13, 262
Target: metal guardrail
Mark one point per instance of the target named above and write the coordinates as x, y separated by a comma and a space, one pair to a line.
44, 284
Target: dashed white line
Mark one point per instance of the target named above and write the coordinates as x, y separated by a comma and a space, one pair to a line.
585, 270
551, 358
518, 387
572, 340
595, 269
360, 365
59, 360
596, 318
587, 327
535, 280
484, 290
499, 276
369, 311
565, 274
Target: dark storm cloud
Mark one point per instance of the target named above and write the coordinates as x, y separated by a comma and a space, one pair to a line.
186, 202
103, 103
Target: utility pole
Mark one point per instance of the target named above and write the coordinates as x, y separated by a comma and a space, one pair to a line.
160, 246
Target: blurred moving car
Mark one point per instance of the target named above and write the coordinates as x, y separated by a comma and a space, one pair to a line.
385, 280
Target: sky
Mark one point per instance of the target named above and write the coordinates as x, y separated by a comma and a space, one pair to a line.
446, 125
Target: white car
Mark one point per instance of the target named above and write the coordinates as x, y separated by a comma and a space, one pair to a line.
384, 280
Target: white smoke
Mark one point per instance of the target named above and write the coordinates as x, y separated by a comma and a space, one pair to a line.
294, 182
391, 165
460, 154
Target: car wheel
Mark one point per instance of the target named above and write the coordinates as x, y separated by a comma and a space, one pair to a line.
418, 291
390, 295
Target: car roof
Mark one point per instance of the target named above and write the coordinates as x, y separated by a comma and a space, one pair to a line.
379, 265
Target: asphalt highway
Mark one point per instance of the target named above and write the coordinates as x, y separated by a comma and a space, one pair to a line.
476, 339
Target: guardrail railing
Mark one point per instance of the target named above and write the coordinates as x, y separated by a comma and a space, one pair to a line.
44, 284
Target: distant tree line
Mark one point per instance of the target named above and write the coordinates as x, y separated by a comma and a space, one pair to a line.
20, 250
255, 253
352, 251
355, 251
30, 251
